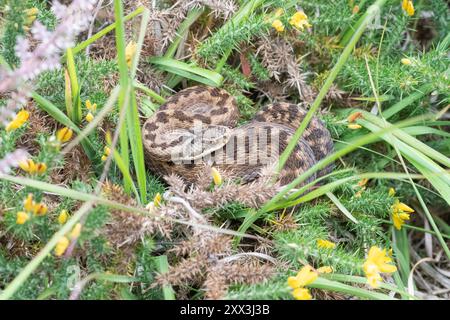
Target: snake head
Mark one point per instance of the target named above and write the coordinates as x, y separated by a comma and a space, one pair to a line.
196, 143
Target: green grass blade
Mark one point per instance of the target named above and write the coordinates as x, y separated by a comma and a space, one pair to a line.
325, 284
125, 88
132, 117
124, 169
68, 95
341, 207
163, 267
400, 248
423, 130
437, 175
197, 74
137, 149
402, 104
152, 94
83, 45
410, 140
362, 280
75, 88
54, 112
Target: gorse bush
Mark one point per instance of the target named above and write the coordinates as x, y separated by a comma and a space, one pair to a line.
82, 217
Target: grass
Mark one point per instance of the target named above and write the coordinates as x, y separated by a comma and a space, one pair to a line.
402, 118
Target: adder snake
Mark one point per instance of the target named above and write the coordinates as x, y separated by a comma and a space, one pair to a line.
198, 125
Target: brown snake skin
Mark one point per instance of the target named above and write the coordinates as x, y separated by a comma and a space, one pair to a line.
165, 133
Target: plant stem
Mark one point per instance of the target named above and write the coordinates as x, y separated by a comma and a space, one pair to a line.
152, 94
163, 267
408, 226
105, 31
124, 87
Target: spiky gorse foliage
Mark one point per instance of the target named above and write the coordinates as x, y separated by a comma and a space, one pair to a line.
201, 196
187, 242
205, 258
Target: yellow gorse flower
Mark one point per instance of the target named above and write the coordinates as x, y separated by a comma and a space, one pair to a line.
278, 25
22, 217
63, 216
63, 135
30, 206
156, 203
279, 12
32, 168
106, 153
41, 168
217, 177
377, 262
325, 269
304, 277
399, 219
391, 192
403, 207
363, 182
28, 203
408, 7
301, 294
300, 20
354, 126
18, 120
76, 231
38, 209
157, 200
31, 15
400, 213
89, 117
322, 243
91, 106
28, 166
61, 246
406, 61
32, 11
130, 51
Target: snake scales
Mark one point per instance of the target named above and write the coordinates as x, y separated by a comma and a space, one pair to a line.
198, 125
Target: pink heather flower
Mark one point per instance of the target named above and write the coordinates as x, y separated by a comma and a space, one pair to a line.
17, 100
73, 19
12, 160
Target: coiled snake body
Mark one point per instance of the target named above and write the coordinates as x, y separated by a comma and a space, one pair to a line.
198, 125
